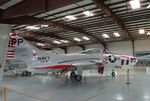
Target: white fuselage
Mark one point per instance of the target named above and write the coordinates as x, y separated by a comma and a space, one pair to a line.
76, 59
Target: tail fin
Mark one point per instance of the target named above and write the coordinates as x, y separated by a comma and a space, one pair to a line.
19, 48
22, 50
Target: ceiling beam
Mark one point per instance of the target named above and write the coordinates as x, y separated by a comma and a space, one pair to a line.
3, 2
39, 41
33, 39
23, 20
49, 34
29, 7
76, 29
113, 16
33, 21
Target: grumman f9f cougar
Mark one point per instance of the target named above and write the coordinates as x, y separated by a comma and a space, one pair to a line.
39, 61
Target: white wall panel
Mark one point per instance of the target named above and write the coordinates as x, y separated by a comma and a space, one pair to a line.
142, 45
121, 47
74, 49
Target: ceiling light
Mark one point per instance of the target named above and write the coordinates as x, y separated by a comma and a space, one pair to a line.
44, 25
32, 27
86, 38
88, 13
70, 17
57, 42
148, 33
64, 41
40, 44
148, 5
77, 39
141, 31
135, 4
105, 36
117, 34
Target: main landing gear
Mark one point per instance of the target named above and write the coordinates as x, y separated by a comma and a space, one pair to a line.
26, 73
77, 77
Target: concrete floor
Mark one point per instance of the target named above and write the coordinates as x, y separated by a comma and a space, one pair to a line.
47, 88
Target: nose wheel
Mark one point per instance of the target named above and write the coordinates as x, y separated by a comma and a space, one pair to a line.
113, 74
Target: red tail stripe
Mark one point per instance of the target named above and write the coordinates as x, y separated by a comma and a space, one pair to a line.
10, 56
10, 51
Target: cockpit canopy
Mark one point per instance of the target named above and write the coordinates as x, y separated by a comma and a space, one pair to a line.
92, 50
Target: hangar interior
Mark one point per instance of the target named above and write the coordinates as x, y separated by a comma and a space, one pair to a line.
71, 26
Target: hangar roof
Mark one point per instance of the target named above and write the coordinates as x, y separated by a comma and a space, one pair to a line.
63, 23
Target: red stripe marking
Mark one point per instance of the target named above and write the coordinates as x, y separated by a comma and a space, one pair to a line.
10, 56
129, 58
124, 57
10, 51
66, 66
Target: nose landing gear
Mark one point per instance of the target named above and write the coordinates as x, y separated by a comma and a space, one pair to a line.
100, 70
113, 74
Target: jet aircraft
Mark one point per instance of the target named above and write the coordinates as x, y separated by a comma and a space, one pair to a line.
39, 61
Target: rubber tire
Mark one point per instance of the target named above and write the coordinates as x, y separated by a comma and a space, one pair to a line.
73, 74
113, 74
29, 73
24, 73
78, 77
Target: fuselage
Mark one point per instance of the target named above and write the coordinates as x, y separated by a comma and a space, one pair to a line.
75, 59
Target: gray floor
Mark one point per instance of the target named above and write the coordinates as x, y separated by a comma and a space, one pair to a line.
46, 88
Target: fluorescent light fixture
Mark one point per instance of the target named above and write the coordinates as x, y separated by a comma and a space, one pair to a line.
70, 17
32, 27
117, 34
57, 42
40, 44
141, 31
88, 13
135, 4
64, 41
86, 38
105, 36
148, 33
77, 39
44, 25
148, 5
